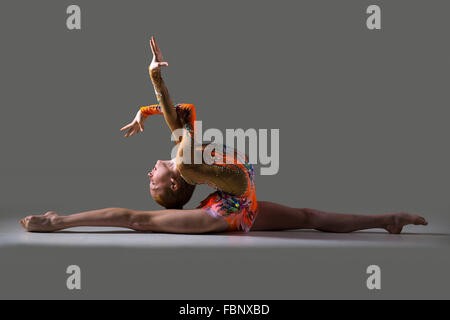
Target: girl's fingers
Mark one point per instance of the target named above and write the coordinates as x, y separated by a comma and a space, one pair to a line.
151, 46
163, 64
156, 46
129, 132
155, 49
126, 127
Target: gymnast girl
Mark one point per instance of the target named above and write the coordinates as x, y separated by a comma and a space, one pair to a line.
232, 207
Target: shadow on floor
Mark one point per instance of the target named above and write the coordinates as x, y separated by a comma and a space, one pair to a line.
287, 234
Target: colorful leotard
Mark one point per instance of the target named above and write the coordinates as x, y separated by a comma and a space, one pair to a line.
238, 210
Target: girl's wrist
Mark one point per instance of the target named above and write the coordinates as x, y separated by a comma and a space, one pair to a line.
141, 113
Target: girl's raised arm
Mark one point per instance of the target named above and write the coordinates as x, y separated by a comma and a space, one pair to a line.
162, 94
165, 106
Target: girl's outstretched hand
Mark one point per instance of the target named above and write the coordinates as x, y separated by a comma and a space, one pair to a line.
135, 126
157, 61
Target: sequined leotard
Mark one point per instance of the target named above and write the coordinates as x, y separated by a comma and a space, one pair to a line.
230, 174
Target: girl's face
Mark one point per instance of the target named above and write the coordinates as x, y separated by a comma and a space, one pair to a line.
161, 176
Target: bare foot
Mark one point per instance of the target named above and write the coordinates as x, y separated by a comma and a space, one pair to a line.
42, 223
401, 219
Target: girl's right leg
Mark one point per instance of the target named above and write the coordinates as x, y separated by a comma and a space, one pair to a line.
167, 221
273, 216
51, 221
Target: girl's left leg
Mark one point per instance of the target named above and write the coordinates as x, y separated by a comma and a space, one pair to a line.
273, 216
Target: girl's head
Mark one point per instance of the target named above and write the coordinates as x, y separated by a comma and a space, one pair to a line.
168, 187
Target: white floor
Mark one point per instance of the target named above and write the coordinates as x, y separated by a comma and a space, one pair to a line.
299, 264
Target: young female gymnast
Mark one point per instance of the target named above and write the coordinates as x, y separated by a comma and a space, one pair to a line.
232, 207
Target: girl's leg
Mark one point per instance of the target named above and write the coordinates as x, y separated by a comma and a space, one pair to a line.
51, 221
170, 221
273, 216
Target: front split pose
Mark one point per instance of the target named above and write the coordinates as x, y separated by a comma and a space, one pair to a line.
232, 207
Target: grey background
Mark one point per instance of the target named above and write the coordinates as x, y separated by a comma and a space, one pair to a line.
362, 114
